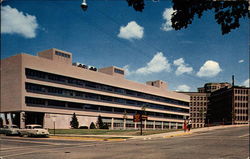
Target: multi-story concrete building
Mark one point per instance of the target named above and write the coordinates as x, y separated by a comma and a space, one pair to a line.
198, 108
48, 89
229, 106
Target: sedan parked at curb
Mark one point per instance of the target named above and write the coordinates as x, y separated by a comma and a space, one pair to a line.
34, 130
9, 130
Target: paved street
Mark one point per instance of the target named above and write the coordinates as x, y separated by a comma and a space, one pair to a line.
227, 143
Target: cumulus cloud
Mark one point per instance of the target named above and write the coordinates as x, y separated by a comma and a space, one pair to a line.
158, 63
182, 67
131, 31
17, 22
167, 15
246, 83
183, 88
209, 69
241, 61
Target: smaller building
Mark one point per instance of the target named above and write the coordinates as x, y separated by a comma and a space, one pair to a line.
198, 108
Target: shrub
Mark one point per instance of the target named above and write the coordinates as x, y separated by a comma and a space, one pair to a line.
105, 126
92, 126
83, 127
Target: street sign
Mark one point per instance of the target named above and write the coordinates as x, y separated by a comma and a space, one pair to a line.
137, 118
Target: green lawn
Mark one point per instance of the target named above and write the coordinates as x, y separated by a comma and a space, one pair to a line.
107, 132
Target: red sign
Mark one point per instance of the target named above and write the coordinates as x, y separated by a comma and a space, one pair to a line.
137, 118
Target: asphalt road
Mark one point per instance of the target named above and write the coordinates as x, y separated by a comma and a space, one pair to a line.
228, 143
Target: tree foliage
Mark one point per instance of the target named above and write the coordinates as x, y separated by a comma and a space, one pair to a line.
100, 123
227, 13
74, 122
92, 126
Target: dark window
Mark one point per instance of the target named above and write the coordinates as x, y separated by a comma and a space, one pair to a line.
56, 103
34, 101
119, 71
90, 107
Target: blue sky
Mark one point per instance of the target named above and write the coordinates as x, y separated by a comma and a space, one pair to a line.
111, 33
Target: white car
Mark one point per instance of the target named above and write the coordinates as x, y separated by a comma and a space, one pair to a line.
9, 130
33, 130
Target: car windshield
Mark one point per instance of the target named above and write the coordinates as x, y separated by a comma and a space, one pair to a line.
37, 127
13, 126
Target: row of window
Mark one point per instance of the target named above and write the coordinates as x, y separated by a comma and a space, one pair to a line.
241, 111
242, 118
244, 105
241, 98
90, 96
197, 108
202, 115
198, 103
241, 91
198, 98
30, 73
198, 121
62, 54
30, 101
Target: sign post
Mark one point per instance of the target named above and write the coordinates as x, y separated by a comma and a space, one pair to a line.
139, 118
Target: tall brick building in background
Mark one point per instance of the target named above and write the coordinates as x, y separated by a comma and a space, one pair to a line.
229, 106
219, 103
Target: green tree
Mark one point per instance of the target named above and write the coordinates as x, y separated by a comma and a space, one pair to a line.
100, 123
227, 13
74, 122
92, 126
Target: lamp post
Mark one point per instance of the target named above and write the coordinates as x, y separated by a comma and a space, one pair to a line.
143, 108
124, 120
54, 123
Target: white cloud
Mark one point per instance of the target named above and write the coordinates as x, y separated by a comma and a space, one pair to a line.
131, 31
241, 61
184, 88
167, 15
246, 83
126, 69
16, 22
158, 63
182, 67
209, 69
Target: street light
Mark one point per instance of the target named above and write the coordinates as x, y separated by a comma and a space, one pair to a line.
54, 123
84, 5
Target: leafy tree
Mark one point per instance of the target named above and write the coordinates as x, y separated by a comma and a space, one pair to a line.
100, 123
92, 126
105, 126
227, 13
74, 122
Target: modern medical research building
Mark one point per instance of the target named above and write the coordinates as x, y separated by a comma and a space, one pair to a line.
48, 88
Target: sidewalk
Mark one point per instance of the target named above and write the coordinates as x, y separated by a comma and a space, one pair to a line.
181, 133
146, 137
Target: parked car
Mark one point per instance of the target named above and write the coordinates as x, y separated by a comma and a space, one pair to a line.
34, 130
9, 130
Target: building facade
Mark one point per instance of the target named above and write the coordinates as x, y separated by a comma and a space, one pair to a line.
198, 108
229, 106
47, 89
